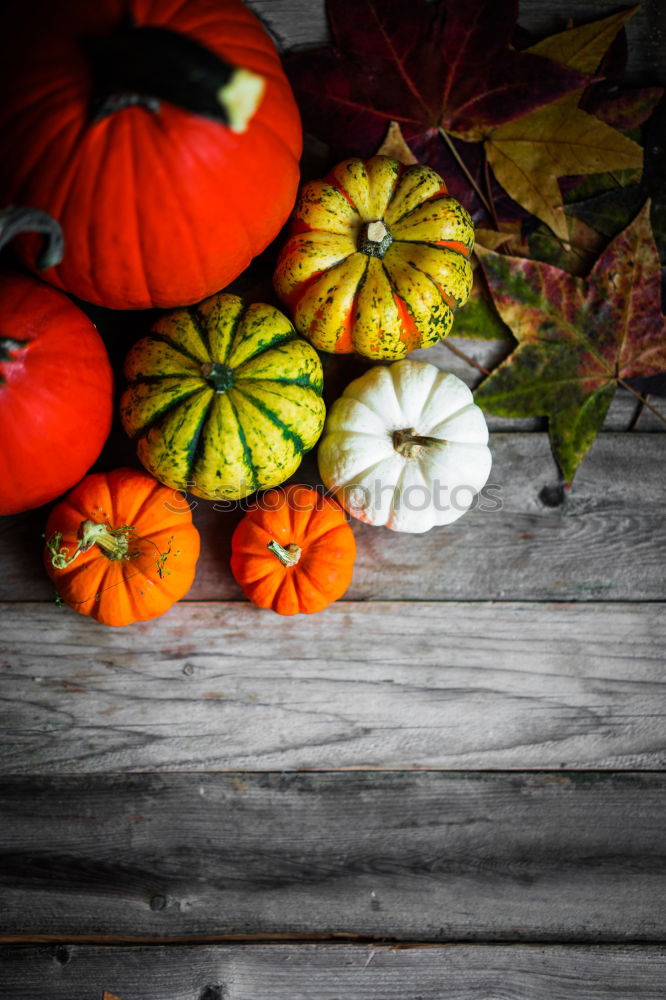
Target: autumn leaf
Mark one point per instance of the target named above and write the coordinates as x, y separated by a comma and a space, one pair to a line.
528, 155
436, 68
628, 109
577, 339
394, 145
109, 996
609, 211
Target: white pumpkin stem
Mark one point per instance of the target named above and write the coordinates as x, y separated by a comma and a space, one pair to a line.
408, 443
114, 543
287, 554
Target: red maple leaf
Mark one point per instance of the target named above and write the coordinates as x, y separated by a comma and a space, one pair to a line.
436, 68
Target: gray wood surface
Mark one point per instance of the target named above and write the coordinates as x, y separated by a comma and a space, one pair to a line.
358, 685
334, 972
425, 856
605, 540
302, 23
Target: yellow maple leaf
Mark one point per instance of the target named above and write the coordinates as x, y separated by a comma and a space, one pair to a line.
394, 145
528, 154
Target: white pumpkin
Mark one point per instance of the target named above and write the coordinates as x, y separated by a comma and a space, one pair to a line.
406, 447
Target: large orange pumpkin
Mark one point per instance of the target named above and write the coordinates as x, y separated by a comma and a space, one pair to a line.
121, 547
163, 136
293, 551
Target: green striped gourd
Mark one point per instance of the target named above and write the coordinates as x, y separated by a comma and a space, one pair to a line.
224, 398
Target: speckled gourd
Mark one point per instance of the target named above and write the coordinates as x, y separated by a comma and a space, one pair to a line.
378, 259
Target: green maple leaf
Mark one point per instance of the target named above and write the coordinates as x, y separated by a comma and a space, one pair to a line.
577, 339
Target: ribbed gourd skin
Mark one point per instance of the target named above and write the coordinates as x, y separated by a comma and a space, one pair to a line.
384, 303
223, 398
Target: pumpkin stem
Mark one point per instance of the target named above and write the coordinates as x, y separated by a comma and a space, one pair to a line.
410, 444
374, 239
288, 554
141, 65
8, 346
14, 220
220, 376
114, 543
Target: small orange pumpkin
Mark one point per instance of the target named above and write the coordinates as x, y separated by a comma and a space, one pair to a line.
121, 547
293, 551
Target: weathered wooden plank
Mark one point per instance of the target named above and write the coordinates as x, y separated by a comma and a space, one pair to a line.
425, 856
358, 685
332, 972
603, 540
302, 23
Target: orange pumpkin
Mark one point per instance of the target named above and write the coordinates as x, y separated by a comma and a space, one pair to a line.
121, 547
293, 551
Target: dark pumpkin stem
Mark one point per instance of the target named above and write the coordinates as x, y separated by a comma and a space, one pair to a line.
288, 554
9, 346
14, 220
374, 239
409, 444
219, 376
140, 66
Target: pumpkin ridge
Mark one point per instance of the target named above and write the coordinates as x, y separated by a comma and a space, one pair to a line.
439, 244
162, 338
247, 452
442, 193
335, 183
287, 433
303, 381
238, 372
436, 196
447, 299
157, 417
200, 326
233, 336
346, 336
137, 569
411, 335
303, 577
314, 538
239, 335
195, 446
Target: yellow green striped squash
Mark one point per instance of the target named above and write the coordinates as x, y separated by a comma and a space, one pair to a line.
378, 259
223, 398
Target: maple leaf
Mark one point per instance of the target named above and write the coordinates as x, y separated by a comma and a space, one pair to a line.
627, 109
528, 155
577, 339
435, 68
394, 145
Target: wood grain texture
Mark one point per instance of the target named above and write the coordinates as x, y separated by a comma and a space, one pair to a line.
332, 972
603, 540
302, 23
422, 857
358, 685
326, 972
